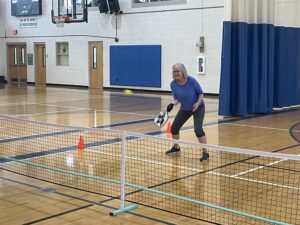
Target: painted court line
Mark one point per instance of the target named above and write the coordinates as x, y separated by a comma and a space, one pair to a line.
45, 113
229, 122
97, 110
117, 140
235, 176
70, 107
42, 135
257, 168
104, 143
194, 169
90, 203
59, 150
260, 127
18, 103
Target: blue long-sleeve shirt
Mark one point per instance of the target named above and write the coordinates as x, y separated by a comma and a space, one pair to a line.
187, 94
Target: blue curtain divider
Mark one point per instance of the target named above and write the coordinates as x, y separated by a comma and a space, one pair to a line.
259, 68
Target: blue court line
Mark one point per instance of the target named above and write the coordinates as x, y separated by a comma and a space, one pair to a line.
156, 191
37, 136
126, 123
54, 151
60, 150
292, 133
209, 124
78, 130
139, 121
90, 203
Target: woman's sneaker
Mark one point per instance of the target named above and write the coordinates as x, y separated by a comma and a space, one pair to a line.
173, 150
205, 156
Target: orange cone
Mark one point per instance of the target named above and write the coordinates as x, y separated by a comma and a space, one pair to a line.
169, 130
80, 145
80, 155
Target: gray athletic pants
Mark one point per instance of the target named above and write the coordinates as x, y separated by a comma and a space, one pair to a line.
183, 116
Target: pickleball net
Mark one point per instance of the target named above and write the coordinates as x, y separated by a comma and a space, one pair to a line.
236, 186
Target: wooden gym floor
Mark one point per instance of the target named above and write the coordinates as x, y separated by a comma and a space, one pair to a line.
26, 200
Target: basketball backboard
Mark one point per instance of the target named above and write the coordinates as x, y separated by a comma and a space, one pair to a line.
73, 11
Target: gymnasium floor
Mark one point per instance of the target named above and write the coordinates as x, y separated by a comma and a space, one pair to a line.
33, 203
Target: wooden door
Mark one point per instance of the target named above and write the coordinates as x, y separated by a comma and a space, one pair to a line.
13, 63
96, 65
17, 63
40, 59
22, 63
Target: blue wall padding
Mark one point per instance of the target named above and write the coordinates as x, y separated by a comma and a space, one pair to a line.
135, 65
260, 68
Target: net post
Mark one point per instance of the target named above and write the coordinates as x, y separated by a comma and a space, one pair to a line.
95, 118
123, 170
123, 208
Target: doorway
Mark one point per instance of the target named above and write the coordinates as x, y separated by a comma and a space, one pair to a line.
40, 62
96, 65
17, 63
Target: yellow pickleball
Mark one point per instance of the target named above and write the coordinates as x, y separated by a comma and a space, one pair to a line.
127, 92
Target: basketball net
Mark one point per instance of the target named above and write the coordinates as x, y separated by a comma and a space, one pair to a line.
60, 20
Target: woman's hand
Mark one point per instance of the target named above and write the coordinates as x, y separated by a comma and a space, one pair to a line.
195, 106
170, 107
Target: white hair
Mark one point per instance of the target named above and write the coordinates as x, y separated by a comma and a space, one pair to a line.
182, 68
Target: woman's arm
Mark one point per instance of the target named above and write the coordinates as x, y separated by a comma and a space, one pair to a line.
175, 102
197, 104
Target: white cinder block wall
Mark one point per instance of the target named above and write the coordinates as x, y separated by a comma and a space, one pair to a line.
176, 28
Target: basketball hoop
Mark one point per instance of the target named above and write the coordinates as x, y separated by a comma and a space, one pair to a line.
60, 20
